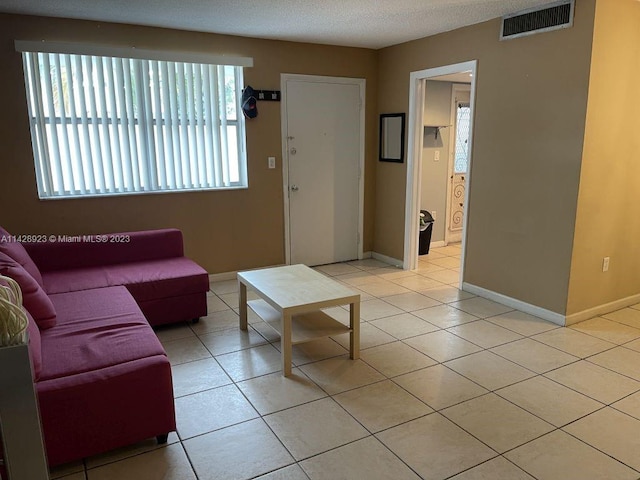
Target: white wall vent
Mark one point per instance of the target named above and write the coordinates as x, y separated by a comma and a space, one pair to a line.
552, 16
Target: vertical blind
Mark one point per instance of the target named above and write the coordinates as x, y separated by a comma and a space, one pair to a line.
106, 125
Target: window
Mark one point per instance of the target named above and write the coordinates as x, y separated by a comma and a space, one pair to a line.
462, 138
112, 125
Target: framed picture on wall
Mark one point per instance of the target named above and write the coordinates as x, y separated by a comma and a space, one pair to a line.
392, 137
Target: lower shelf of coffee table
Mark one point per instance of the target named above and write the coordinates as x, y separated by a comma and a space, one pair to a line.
304, 327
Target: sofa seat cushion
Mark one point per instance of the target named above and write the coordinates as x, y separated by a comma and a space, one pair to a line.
96, 329
34, 299
63, 281
171, 277
148, 280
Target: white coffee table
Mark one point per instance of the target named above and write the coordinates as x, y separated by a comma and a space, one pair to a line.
291, 299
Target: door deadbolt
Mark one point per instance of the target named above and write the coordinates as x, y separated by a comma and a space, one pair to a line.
294, 188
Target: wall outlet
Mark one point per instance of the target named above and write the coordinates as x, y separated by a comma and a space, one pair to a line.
605, 264
436, 156
272, 162
433, 214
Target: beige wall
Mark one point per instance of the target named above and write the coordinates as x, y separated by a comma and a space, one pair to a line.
435, 175
531, 105
608, 219
225, 230
529, 119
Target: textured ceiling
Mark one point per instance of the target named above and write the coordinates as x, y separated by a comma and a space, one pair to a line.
358, 23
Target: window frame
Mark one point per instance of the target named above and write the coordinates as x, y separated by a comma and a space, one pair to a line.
148, 134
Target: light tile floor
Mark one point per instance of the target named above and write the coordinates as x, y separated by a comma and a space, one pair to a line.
448, 386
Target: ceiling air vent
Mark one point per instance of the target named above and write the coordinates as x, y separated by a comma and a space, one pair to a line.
552, 16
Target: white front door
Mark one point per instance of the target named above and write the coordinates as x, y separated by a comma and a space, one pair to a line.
324, 144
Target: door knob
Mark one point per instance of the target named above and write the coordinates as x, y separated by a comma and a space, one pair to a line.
294, 188
293, 151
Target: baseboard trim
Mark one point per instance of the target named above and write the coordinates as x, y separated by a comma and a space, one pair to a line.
525, 307
390, 260
437, 244
602, 309
366, 255
220, 277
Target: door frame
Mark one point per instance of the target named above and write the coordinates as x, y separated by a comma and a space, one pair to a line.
361, 83
417, 86
455, 88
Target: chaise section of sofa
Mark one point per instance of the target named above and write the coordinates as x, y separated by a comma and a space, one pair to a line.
105, 379
167, 286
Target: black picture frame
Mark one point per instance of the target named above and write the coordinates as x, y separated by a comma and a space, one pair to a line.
392, 130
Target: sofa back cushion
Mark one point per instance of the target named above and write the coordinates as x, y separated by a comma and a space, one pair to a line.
16, 251
34, 299
87, 251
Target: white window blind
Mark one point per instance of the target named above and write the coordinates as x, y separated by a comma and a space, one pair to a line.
105, 125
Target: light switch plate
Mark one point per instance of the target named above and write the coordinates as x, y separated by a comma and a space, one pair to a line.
272, 162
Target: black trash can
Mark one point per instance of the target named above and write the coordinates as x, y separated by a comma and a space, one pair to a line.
425, 233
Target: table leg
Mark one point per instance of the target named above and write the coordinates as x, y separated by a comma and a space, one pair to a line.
243, 305
354, 335
285, 344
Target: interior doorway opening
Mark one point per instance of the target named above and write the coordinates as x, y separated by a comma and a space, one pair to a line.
439, 138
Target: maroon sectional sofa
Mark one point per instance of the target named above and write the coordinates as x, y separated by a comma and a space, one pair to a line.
102, 377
